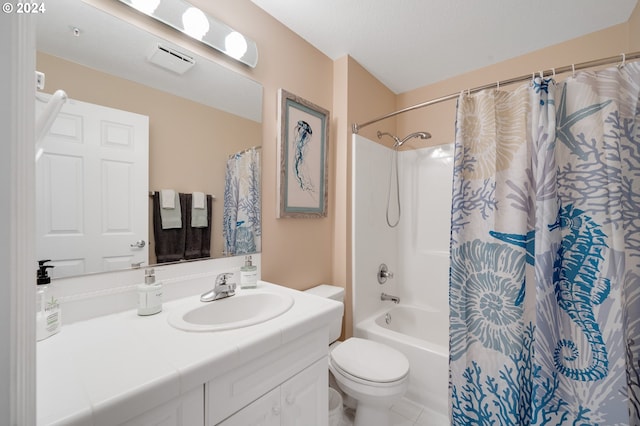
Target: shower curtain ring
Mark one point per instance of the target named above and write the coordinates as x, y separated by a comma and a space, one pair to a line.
573, 70
498, 85
624, 60
554, 73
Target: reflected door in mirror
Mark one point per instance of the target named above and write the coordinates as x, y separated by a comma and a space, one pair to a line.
92, 190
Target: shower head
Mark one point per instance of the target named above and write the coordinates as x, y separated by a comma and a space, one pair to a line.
398, 142
421, 135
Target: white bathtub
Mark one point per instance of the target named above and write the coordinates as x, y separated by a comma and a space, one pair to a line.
423, 336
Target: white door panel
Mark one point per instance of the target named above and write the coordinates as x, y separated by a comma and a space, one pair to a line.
92, 190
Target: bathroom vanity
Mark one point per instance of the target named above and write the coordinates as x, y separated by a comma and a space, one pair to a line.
124, 369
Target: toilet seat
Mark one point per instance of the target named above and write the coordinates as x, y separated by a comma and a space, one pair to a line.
368, 362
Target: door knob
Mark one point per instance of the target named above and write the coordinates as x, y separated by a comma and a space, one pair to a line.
138, 244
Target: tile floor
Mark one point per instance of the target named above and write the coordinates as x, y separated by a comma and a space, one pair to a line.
407, 413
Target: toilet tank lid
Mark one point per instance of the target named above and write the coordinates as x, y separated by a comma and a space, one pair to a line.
327, 291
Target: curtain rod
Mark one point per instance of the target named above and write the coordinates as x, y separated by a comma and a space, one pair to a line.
257, 147
622, 58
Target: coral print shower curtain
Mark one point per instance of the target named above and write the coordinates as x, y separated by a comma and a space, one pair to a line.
545, 253
242, 227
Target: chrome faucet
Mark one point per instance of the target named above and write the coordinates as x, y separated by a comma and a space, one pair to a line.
222, 288
385, 296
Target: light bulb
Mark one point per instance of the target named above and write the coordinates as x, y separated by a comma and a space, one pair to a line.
195, 23
235, 45
146, 6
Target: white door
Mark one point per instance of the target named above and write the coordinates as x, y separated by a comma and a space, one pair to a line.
92, 190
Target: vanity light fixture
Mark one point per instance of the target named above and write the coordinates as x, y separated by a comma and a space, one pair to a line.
193, 22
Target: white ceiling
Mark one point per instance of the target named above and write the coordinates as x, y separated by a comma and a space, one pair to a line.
408, 44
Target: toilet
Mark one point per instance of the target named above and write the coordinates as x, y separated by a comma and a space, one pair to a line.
373, 374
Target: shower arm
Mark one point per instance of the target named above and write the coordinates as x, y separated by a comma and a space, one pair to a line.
395, 138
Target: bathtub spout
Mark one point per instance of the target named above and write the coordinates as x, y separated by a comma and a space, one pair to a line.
385, 296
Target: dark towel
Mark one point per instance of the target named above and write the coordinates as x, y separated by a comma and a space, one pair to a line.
198, 240
169, 243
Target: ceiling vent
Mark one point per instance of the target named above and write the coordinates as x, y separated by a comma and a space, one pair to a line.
171, 59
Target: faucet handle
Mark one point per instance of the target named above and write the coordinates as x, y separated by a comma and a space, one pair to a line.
384, 273
222, 278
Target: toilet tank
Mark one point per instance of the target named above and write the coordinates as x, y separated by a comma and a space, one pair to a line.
331, 292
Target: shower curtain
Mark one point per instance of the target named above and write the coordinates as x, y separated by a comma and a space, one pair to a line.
242, 226
545, 253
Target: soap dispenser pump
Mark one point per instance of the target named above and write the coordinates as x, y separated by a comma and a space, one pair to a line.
149, 294
48, 316
248, 274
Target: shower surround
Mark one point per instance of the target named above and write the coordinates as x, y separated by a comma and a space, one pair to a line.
416, 251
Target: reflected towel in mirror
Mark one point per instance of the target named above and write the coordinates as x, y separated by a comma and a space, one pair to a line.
199, 210
169, 243
170, 211
198, 239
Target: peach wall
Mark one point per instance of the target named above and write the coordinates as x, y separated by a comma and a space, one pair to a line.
175, 123
439, 119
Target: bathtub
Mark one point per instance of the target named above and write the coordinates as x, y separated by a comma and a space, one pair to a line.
422, 335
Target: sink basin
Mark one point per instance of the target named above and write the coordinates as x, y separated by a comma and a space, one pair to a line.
241, 310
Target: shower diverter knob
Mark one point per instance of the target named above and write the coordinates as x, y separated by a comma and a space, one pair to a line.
383, 274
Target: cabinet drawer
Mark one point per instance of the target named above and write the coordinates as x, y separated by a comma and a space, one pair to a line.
239, 387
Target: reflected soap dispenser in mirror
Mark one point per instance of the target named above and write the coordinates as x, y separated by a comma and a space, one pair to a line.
48, 316
149, 294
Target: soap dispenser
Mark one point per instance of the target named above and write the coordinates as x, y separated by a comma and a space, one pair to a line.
248, 274
149, 294
48, 316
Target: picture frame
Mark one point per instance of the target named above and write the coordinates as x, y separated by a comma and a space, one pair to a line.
302, 152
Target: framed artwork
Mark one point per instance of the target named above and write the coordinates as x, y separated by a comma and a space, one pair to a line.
302, 148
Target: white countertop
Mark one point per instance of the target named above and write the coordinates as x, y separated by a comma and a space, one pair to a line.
109, 369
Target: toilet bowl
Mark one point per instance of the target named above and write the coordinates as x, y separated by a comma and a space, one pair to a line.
373, 374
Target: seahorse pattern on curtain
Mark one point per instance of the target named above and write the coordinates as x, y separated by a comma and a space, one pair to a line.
545, 253
242, 226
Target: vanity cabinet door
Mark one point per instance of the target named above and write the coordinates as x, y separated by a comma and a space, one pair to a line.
265, 411
240, 386
304, 397
300, 401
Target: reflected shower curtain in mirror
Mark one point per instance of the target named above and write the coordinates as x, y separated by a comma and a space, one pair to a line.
545, 253
242, 228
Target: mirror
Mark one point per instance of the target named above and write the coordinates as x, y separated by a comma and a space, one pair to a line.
196, 120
